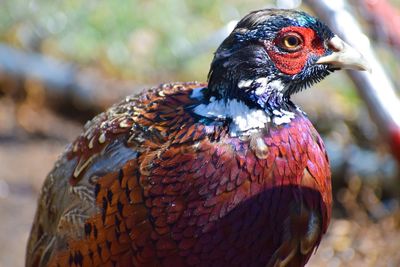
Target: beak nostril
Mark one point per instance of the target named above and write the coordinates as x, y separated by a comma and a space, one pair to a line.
335, 44
332, 47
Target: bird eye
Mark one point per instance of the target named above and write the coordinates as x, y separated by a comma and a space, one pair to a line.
291, 42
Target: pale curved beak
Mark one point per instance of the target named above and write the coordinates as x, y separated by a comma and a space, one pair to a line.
344, 56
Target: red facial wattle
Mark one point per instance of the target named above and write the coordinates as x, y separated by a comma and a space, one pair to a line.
292, 62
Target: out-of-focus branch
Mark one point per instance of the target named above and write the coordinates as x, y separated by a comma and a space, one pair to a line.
385, 19
375, 88
64, 83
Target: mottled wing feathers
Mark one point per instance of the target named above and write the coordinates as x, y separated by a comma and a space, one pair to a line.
143, 120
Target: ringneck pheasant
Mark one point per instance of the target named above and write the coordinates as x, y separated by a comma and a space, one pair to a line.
229, 173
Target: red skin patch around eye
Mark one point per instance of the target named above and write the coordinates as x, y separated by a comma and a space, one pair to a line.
293, 62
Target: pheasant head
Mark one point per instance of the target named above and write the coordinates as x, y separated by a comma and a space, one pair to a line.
272, 54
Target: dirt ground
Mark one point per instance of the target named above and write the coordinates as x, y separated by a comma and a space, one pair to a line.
23, 168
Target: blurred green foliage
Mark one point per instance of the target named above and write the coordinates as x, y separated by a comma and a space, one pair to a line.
139, 39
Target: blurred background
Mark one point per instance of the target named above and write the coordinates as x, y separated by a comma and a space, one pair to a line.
62, 62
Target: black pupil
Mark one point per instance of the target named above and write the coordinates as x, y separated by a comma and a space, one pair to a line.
292, 41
